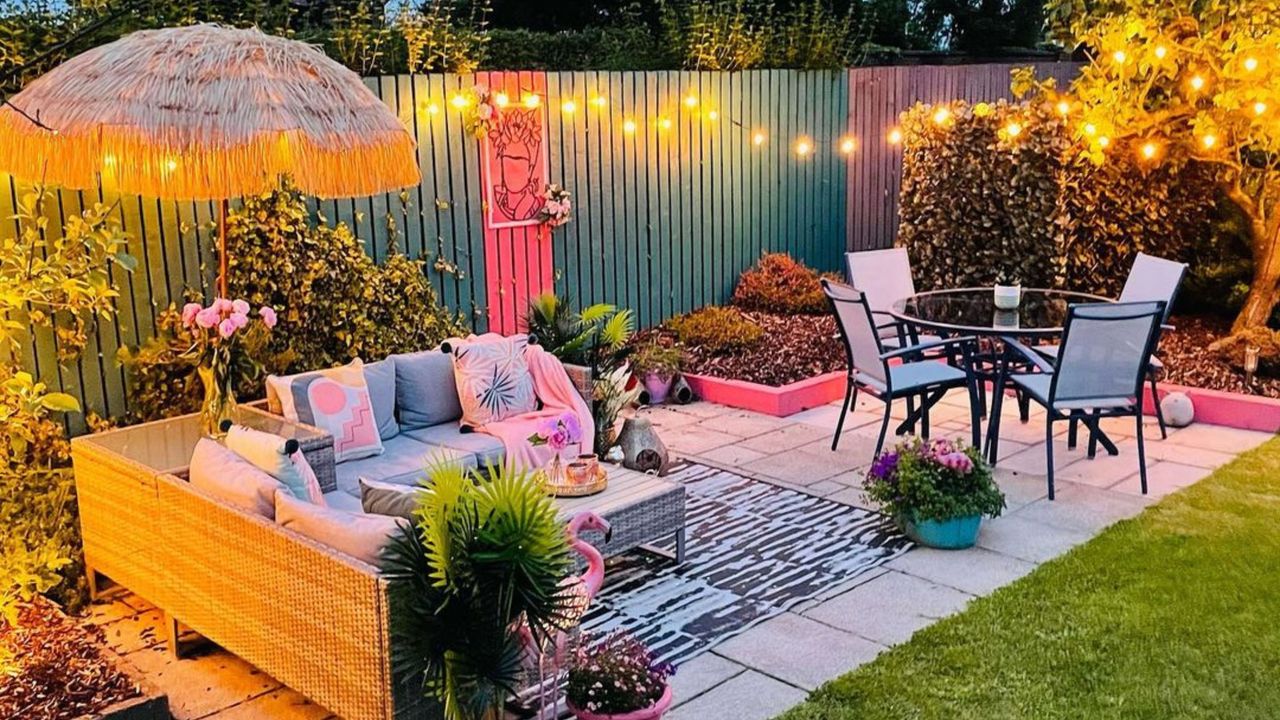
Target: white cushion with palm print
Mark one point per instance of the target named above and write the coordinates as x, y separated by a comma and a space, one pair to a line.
493, 379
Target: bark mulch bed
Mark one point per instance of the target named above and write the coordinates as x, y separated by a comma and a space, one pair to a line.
62, 670
798, 347
792, 348
1188, 361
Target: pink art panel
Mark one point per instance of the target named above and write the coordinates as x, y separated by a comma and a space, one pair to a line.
518, 259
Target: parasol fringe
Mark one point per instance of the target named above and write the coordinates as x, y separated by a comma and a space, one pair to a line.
205, 112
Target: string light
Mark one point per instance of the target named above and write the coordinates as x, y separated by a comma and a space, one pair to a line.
600, 101
895, 136
848, 145
691, 101
501, 99
532, 101
712, 115
433, 109
459, 101
1103, 142
1090, 129
803, 146
1197, 82
1208, 141
569, 107
664, 123
1150, 150
1161, 51
1064, 107
171, 164
941, 116
1250, 64
1119, 56
1013, 129
758, 138
108, 160
1259, 108
629, 126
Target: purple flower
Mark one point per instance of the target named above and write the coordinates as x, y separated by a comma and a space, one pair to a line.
227, 328
238, 319
189, 312
572, 426
884, 466
268, 316
222, 305
240, 306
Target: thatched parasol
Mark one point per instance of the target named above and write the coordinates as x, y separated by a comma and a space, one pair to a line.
205, 113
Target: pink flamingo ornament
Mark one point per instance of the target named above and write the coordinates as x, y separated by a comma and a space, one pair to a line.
582, 589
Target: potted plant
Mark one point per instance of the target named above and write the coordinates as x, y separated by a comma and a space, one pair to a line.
936, 490
617, 679
1008, 292
656, 365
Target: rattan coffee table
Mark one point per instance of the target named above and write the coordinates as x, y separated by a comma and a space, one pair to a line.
642, 510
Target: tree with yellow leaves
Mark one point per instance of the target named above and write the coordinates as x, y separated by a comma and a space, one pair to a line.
1184, 81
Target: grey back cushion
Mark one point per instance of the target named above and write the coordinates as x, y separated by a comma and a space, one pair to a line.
426, 393
377, 498
381, 379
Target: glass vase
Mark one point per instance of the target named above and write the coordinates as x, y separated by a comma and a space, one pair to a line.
555, 470
219, 400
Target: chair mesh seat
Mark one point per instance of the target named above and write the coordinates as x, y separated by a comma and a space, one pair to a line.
1038, 386
915, 376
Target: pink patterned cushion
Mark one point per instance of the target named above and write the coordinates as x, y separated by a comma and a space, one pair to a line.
337, 402
493, 379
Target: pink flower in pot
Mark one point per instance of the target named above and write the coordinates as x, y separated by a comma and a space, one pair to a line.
617, 679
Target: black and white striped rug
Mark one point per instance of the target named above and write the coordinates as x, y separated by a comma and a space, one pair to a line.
754, 550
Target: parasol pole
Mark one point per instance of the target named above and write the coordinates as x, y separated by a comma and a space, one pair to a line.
222, 248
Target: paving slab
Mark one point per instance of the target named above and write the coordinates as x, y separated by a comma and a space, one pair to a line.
732, 456
746, 696
1220, 438
976, 571
744, 423
803, 467
203, 684
1027, 539
1174, 451
787, 437
798, 650
890, 608
694, 440
1163, 478
700, 675
1083, 508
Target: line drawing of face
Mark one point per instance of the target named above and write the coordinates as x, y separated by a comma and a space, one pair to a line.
517, 145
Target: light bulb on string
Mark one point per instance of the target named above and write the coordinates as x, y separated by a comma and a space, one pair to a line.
691, 101
629, 126
1063, 107
1013, 129
1161, 51
501, 99
804, 146
848, 145
758, 138
459, 101
1119, 56
532, 101
895, 136
569, 107
941, 116
1196, 82
1208, 141
600, 101
1259, 108
664, 123
1250, 64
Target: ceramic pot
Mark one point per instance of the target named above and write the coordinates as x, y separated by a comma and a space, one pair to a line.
653, 712
1008, 297
658, 386
953, 534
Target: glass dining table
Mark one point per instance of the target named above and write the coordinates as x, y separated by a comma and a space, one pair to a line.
1039, 317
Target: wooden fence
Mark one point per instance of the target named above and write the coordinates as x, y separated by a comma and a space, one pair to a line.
665, 216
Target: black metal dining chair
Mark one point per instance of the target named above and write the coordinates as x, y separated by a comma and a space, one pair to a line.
899, 373
1100, 370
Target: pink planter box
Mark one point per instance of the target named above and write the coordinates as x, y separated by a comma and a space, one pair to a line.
1246, 412
777, 401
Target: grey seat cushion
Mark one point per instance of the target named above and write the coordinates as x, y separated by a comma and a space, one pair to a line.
915, 375
426, 393
403, 461
485, 449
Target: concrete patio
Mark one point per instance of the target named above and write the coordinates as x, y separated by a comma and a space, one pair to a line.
774, 665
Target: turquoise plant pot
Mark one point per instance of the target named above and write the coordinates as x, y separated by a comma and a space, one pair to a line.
953, 534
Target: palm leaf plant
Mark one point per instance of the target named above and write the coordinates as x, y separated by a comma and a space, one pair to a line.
486, 555
596, 337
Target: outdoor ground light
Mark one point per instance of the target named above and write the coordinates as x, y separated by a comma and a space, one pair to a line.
1250, 362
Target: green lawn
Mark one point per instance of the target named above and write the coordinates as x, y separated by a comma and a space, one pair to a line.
1174, 614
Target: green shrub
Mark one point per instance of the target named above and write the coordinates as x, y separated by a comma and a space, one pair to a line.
716, 329
334, 302
978, 203
780, 284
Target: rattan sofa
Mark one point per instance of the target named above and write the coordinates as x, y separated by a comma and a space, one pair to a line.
313, 618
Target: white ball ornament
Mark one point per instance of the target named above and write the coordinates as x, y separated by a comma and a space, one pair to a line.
1178, 409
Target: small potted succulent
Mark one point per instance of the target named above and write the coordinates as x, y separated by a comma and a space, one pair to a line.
936, 490
1008, 292
657, 366
617, 679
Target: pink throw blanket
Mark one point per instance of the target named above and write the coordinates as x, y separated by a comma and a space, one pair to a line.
558, 395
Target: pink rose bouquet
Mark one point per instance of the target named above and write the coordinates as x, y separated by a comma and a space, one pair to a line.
217, 333
557, 208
